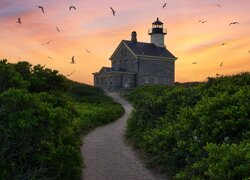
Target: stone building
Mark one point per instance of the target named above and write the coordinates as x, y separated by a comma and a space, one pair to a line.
136, 63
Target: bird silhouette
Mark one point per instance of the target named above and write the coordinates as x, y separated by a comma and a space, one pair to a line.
218, 5
202, 21
221, 64
72, 7
233, 23
88, 51
223, 44
71, 73
57, 29
164, 5
194, 62
113, 11
249, 51
50, 57
47, 42
19, 21
40, 7
73, 60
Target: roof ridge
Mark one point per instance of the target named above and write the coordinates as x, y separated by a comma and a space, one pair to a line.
148, 49
137, 42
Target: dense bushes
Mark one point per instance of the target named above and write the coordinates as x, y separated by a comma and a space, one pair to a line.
10, 78
33, 133
200, 131
42, 117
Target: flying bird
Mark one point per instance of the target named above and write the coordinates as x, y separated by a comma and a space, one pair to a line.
164, 5
218, 5
41, 9
73, 60
50, 57
71, 73
113, 11
57, 29
233, 23
72, 7
88, 51
223, 44
221, 64
47, 42
19, 21
202, 21
194, 62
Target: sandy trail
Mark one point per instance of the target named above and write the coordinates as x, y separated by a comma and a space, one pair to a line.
106, 155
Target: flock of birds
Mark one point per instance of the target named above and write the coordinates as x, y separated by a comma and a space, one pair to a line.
205, 21
73, 61
58, 30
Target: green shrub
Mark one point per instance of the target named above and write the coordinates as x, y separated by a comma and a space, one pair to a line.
42, 118
228, 161
27, 126
183, 127
10, 78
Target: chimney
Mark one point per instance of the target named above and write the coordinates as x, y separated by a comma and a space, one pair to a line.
134, 37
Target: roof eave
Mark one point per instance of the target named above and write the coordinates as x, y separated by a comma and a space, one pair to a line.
158, 57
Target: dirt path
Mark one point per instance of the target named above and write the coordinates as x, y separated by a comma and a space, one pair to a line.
107, 157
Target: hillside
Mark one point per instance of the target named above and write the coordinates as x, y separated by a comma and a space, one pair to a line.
42, 117
194, 130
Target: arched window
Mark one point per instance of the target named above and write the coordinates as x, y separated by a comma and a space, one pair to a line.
126, 64
125, 52
120, 64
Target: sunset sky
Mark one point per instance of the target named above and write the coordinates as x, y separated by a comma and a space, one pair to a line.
93, 27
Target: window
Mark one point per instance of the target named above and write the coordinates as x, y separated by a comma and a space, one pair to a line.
156, 80
105, 80
131, 63
110, 80
120, 64
165, 80
126, 63
126, 79
146, 80
96, 80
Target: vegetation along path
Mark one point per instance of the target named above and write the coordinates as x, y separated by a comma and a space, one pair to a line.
106, 155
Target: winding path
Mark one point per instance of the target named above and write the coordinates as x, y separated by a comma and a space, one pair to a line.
106, 155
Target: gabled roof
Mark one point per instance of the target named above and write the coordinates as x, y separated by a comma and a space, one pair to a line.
148, 49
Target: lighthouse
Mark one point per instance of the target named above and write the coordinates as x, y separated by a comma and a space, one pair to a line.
157, 33
135, 63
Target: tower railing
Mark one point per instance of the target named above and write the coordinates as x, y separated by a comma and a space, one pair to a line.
157, 30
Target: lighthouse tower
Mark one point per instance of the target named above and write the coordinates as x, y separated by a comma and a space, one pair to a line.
157, 33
